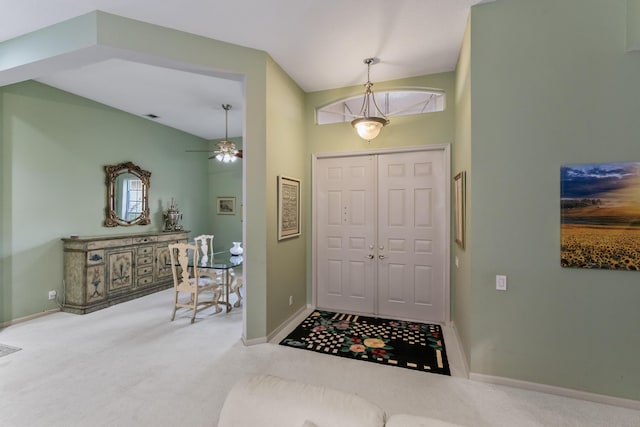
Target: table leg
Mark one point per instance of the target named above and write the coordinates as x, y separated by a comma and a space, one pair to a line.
226, 290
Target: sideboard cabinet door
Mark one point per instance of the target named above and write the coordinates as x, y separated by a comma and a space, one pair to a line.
120, 271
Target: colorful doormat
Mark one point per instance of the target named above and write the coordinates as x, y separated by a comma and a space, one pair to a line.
411, 345
7, 349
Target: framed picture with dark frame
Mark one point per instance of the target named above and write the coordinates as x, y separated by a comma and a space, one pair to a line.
288, 207
459, 195
226, 205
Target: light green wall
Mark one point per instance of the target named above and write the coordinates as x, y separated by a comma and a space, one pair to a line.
5, 219
22, 55
461, 295
286, 155
104, 36
54, 147
551, 84
200, 54
225, 180
546, 83
404, 131
633, 25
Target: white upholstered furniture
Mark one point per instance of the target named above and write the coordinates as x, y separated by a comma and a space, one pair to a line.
269, 401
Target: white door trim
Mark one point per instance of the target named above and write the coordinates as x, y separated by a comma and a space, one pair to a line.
446, 148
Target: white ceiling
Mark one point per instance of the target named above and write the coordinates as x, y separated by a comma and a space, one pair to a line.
320, 44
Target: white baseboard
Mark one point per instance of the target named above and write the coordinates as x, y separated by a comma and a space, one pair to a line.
461, 354
281, 331
558, 391
288, 325
29, 317
254, 341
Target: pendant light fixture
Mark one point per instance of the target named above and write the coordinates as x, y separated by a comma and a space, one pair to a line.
368, 126
226, 152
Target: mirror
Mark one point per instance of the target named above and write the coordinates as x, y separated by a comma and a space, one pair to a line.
127, 195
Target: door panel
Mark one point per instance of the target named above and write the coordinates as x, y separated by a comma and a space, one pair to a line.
411, 236
346, 218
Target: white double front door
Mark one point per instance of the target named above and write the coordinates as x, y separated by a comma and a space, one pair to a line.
382, 235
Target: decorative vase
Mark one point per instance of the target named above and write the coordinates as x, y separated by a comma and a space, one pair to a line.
236, 249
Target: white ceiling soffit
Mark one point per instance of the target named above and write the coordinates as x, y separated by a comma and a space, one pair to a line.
181, 100
321, 45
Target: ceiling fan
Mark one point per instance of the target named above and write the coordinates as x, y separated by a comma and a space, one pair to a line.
226, 152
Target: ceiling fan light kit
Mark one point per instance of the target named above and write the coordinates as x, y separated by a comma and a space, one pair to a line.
368, 126
226, 152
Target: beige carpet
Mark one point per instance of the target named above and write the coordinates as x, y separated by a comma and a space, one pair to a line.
128, 365
7, 349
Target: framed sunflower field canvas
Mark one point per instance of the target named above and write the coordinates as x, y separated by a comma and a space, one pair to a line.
600, 216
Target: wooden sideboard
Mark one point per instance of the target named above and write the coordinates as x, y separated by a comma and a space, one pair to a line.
107, 270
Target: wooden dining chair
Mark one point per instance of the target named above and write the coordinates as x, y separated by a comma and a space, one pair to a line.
188, 281
204, 242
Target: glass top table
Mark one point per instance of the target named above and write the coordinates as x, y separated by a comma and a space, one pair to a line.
222, 261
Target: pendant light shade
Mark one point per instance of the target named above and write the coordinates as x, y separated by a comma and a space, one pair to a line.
368, 126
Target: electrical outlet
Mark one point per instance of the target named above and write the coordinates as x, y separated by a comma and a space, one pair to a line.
53, 294
501, 282
290, 299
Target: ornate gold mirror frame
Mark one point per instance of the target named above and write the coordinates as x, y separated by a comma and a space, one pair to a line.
127, 195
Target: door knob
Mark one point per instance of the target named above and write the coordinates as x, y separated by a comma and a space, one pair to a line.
380, 256
370, 256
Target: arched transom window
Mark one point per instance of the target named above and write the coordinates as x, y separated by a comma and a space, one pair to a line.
392, 103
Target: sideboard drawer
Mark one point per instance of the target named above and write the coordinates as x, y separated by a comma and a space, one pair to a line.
145, 250
145, 280
144, 260
143, 271
144, 239
95, 257
110, 243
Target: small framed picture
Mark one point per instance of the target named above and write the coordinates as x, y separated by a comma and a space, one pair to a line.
226, 205
288, 207
460, 195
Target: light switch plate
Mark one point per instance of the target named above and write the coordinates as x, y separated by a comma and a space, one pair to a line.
501, 282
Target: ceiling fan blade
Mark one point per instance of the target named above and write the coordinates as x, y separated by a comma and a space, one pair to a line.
239, 154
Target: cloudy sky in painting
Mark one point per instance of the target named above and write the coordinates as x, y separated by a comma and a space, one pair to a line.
617, 181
